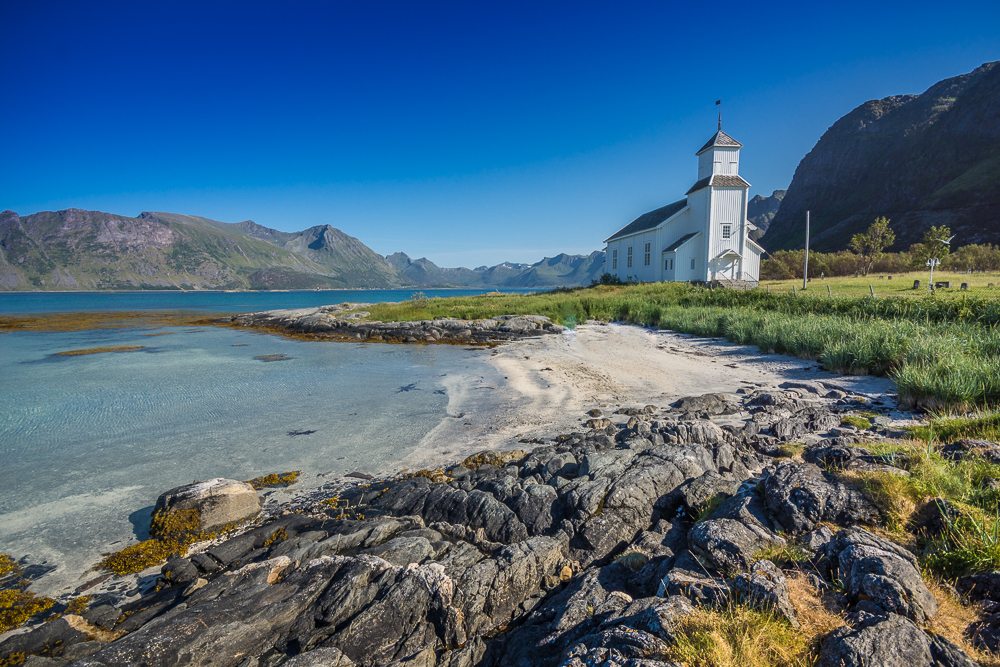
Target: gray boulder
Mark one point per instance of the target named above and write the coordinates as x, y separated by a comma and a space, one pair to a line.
800, 495
219, 502
729, 544
537, 508
889, 641
765, 586
401, 551
874, 569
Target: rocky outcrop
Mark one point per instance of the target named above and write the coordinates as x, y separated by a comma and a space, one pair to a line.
889, 641
880, 572
590, 549
332, 323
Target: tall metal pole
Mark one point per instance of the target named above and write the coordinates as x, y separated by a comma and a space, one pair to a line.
805, 269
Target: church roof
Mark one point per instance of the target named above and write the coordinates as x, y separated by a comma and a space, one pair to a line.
681, 241
720, 139
719, 181
648, 220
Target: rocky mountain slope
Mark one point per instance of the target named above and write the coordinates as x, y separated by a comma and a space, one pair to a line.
555, 271
92, 250
920, 160
761, 211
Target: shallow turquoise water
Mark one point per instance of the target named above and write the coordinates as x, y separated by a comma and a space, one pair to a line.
87, 441
216, 302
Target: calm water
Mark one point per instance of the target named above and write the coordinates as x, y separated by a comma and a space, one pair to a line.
87, 443
217, 302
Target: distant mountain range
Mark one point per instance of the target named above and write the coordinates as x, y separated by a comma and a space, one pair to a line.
92, 250
761, 211
919, 160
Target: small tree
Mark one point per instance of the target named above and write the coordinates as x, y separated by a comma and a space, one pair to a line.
871, 245
936, 243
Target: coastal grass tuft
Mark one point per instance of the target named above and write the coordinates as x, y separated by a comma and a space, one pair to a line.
789, 450
707, 508
960, 493
633, 560
981, 425
275, 479
99, 350
781, 555
740, 636
855, 421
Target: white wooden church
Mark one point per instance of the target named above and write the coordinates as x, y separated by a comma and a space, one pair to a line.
703, 237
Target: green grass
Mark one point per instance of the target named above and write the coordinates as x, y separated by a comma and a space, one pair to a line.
983, 425
901, 284
971, 541
942, 353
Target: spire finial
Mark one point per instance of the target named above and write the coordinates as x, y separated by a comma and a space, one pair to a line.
718, 103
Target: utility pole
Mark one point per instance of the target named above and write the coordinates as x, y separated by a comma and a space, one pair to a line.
805, 269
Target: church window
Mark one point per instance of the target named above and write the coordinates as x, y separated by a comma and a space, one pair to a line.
693, 260
614, 258
727, 231
629, 258
671, 265
646, 257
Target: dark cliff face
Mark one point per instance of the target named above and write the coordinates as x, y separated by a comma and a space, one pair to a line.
919, 160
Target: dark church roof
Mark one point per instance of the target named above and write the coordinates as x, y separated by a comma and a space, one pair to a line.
720, 139
648, 220
681, 241
719, 181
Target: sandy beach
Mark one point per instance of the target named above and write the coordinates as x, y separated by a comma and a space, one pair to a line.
542, 386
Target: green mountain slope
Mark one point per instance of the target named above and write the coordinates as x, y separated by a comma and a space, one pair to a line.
919, 160
76, 249
91, 250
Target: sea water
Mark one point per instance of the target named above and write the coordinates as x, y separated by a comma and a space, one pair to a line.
87, 443
217, 302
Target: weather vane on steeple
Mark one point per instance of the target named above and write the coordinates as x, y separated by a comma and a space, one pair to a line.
718, 103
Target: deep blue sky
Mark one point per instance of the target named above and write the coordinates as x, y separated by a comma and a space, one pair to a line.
467, 132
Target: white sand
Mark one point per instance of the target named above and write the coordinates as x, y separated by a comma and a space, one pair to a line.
543, 386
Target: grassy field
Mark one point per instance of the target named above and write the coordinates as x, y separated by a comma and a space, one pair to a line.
943, 353
900, 284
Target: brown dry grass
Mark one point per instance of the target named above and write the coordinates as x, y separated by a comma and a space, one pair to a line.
953, 618
738, 636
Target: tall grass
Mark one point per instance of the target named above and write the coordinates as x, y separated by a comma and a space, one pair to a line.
943, 354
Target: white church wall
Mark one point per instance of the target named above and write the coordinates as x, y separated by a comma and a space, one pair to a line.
727, 207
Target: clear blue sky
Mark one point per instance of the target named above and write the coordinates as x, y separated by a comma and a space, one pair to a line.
467, 132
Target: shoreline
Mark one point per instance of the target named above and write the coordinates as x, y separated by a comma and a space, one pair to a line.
534, 388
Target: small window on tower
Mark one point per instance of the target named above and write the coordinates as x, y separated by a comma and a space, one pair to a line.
727, 231
645, 259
